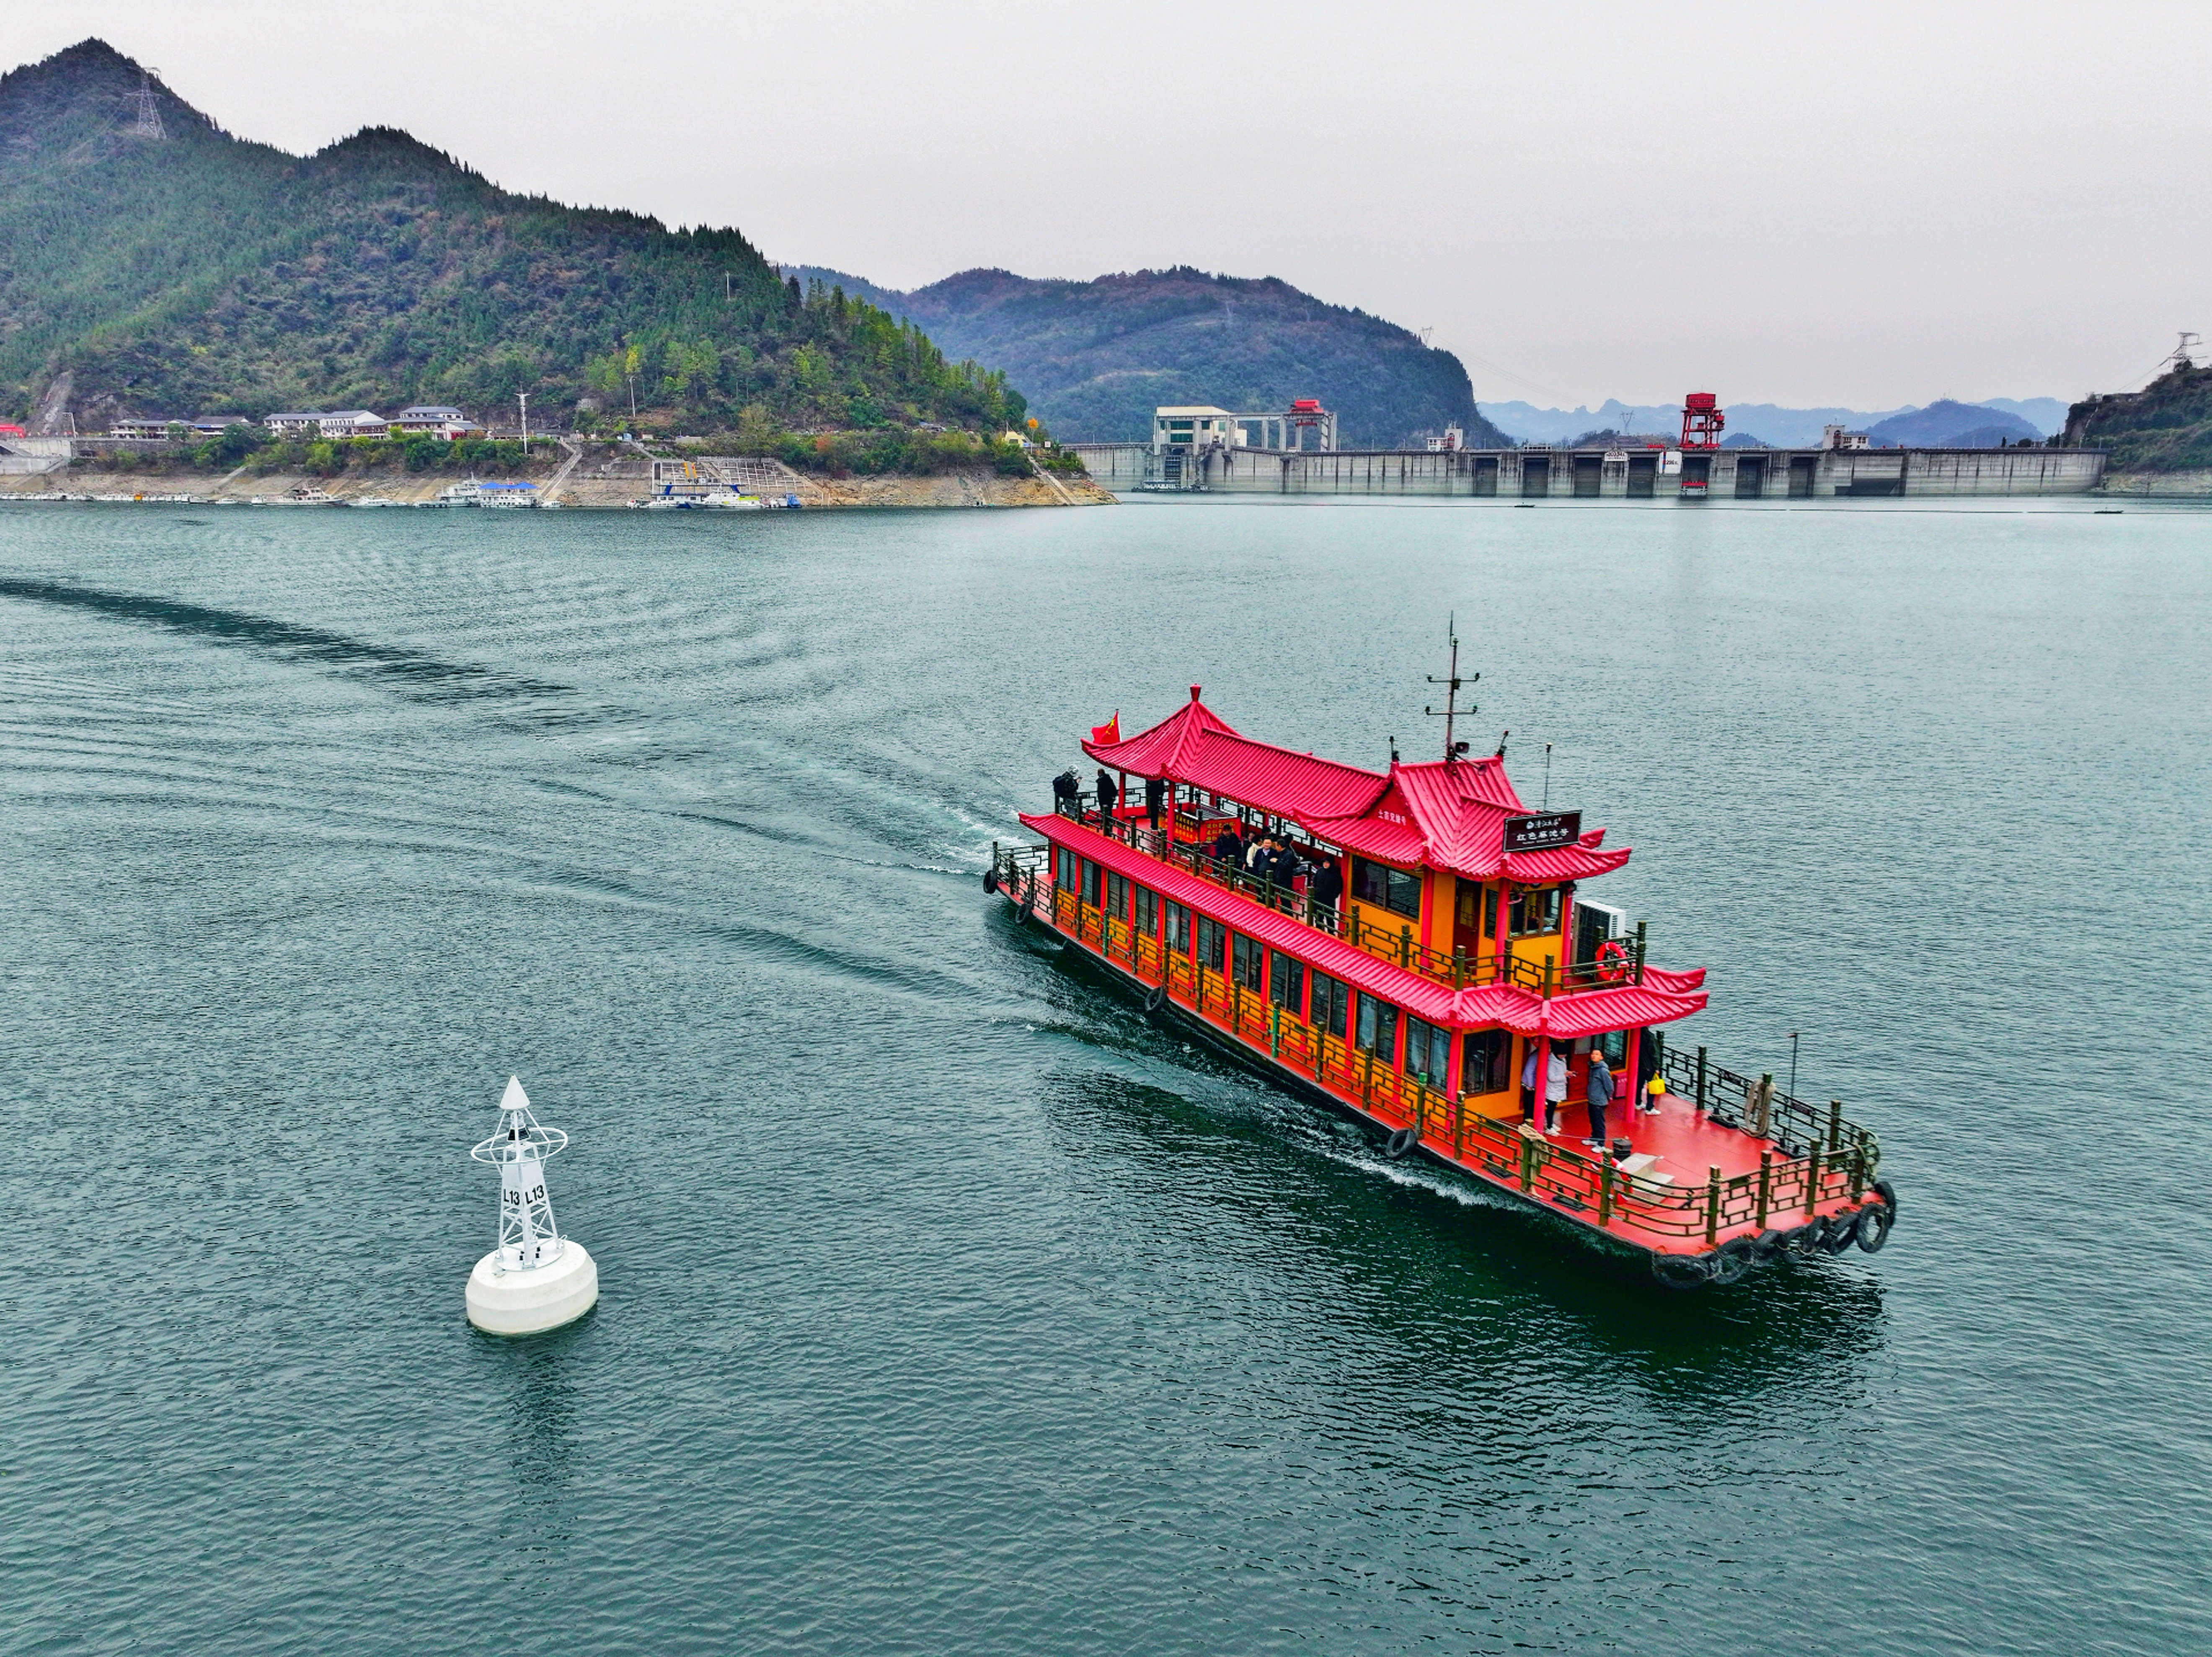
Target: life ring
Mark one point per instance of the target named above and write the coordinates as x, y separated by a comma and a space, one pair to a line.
1157, 1000
1612, 960
1680, 1271
990, 880
1733, 1259
1399, 1145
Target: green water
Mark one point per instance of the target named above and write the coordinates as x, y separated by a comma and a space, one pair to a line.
948, 1306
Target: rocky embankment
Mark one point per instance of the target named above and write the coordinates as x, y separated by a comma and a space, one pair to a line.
582, 487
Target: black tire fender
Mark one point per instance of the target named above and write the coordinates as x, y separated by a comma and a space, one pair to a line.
990, 880
1399, 1145
1733, 1259
1682, 1271
1887, 1192
1800, 1239
1157, 998
1767, 1244
1841, 1229
1875, 1220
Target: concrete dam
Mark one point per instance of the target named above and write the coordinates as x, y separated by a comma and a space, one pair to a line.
1597, 474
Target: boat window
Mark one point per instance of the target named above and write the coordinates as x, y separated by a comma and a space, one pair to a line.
1428, 1051
1485, 1058
1148, 914
1117, 896
1091, 883
1063, 874
1387, 887
1378, 1027
1286, 984
1614, 1044
1178, 928
1246, 960
1332, 997
1212, 943
1536, 912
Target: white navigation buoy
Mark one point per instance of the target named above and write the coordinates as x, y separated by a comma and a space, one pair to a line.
536, 1279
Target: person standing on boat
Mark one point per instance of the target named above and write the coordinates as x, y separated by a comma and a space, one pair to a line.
1647, 1073
1326, 886
1600, 1094
1228, 848
1554, 1071
1108, 796
1156, 790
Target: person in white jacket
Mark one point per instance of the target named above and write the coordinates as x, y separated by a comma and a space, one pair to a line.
1555, 1084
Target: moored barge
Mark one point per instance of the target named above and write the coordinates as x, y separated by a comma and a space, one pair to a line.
1424, 959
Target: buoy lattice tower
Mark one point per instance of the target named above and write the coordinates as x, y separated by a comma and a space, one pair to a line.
536, 1279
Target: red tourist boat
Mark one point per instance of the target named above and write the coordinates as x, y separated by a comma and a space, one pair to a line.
1424, 961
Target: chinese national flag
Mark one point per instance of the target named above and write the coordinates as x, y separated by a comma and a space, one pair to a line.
1108, 732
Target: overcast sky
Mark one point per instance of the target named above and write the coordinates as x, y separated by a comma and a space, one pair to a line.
1863, 204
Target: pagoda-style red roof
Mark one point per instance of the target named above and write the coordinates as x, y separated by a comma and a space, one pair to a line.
1195, 745
1448, 815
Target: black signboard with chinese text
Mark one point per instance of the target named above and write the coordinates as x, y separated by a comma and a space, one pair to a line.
1543, 831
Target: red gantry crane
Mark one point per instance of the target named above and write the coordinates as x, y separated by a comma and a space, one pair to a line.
1702, 420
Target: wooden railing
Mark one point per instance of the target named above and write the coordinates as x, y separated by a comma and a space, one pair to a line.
1817, 1158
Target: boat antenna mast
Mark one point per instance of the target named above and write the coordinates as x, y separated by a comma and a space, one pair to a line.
1450, 711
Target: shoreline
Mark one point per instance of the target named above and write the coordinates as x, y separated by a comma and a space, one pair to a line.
978, 486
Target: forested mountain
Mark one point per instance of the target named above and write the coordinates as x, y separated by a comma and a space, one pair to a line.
2165, 426
1095, 358
199, 273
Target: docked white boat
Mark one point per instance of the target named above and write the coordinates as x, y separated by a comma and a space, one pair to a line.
700, 500
371, 501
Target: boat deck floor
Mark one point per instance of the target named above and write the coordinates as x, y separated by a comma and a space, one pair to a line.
1684, 1146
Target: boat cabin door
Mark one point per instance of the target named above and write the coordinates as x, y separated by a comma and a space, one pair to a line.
1475, 918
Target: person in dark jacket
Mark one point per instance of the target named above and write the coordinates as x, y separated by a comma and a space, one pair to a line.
1068, 795
1600, 1094
1326, 886
1108, 796
1228, 847
1155, 792
1647, 1066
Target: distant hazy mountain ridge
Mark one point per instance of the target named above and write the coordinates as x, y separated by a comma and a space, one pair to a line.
1095, 358
203, 274
1785, 428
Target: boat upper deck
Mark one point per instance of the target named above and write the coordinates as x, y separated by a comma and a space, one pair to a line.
1460, 991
